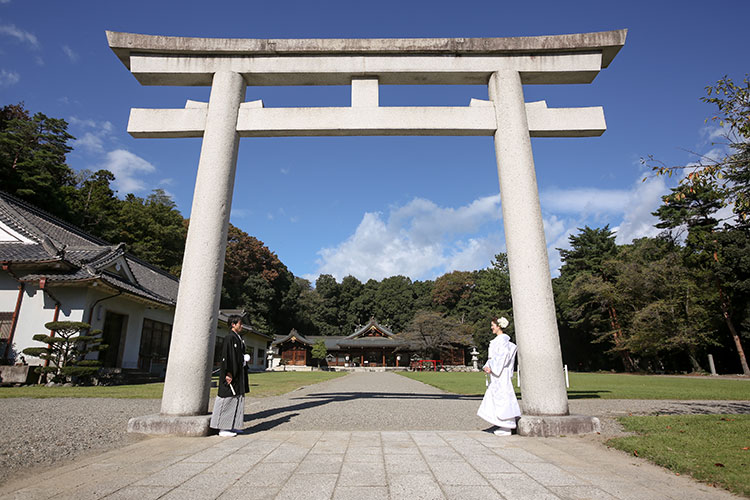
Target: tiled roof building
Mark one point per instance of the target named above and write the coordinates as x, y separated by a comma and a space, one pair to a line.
52, 270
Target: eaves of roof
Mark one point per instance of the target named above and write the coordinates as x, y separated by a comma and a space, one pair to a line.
84, 276
59, 241
371, 342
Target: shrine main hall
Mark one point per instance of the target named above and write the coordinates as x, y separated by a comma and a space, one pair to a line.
371, 345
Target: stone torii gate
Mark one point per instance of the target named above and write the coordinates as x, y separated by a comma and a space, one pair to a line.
230, 65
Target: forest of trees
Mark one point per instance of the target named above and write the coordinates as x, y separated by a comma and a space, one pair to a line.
656, 304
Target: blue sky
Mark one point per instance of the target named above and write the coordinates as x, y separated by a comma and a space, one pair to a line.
379, 206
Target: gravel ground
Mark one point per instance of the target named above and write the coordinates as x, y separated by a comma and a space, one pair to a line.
43, 432
37, 433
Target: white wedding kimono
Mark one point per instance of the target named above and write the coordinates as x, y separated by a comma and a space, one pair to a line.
499, 405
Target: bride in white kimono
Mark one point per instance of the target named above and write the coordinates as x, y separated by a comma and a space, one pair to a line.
499, 405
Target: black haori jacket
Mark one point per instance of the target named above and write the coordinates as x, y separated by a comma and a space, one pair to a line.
232, 362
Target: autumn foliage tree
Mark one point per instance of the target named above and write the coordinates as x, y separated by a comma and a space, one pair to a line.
431, 332
255, 280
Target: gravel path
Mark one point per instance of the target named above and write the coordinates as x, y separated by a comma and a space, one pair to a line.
36, 433
42, 432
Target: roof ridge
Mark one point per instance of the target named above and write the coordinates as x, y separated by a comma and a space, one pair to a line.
33, 232
53, 218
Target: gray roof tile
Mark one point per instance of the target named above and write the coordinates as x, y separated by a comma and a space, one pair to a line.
56, 240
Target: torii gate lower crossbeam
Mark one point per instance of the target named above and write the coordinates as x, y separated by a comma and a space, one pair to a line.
503, 64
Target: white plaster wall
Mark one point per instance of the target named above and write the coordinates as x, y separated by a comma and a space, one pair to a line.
257, 343
8, 292
135, 313
37, 308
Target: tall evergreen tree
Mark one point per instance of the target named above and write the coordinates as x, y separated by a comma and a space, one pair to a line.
394, 302
668, 305
153, 229
694, 207
350, 316
93, 204
592, 296
32, 158
326, 316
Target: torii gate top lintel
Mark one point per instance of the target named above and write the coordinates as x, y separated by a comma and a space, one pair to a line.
161, 60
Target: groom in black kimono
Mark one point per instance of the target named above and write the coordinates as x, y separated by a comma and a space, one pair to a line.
229, 408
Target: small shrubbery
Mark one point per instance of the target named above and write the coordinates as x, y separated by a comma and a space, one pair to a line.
66, 351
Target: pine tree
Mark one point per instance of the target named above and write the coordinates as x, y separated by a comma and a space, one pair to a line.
66, 350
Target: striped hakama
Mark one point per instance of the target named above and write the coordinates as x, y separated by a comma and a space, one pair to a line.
229, 413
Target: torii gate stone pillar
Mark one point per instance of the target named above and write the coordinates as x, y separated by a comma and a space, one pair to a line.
229, 65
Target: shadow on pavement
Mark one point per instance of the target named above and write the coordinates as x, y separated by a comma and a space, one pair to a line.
268, 424
320, 399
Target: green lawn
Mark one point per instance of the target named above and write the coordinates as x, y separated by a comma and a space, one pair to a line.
711, 448
261, 385
606, 385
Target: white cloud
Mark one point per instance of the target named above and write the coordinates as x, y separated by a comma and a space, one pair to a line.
74, 120
713, 132
99, 148
423, 240
584, 200
377, 251
8, 78
638, 221
95, 136
476, 253
69, 52
554, 228
425, 220
285, 171
557, 231
19, 34
129, 170
91, 142
420, 240
629, 210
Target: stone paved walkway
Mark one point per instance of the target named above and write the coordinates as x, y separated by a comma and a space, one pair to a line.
272, 461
